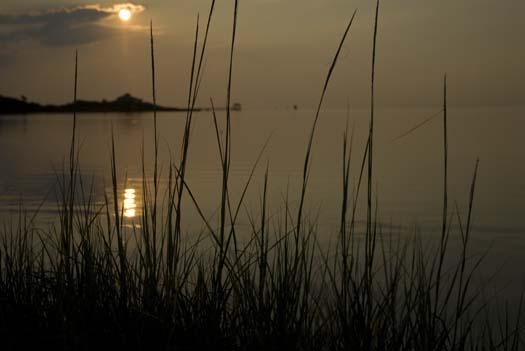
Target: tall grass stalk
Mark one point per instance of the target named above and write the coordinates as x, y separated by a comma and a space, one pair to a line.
307, 159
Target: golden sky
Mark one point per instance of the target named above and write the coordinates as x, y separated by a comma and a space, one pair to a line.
284, 50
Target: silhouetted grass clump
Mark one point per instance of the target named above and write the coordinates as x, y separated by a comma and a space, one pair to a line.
92, 282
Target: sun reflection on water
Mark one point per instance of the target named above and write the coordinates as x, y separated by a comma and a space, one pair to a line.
130, 205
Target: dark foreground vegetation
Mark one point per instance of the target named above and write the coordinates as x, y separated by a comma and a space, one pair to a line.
90, 282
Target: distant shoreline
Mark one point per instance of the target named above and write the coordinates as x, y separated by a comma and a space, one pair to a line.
123, 104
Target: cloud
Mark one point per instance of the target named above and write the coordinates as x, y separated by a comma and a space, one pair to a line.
63, 27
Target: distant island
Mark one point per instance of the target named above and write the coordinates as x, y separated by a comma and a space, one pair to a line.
125, 103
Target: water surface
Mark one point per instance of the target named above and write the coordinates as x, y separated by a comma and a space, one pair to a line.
408, 171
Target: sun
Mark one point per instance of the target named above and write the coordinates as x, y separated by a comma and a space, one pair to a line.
124, 15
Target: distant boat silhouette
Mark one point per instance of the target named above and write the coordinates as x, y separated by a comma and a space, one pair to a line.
237, 107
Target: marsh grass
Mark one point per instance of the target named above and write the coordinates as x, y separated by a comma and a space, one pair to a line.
94, 282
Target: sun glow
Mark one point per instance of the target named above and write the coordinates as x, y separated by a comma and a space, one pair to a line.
124, 15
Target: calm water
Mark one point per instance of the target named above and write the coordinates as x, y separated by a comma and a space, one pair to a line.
408, 171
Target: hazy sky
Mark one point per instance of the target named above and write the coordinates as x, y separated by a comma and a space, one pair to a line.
283, 53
